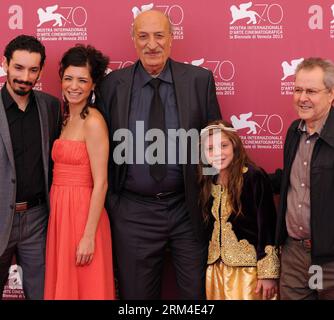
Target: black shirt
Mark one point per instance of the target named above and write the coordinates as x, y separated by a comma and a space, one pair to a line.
25, 133
138, 175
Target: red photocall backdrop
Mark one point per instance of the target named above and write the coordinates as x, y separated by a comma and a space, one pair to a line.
252, 49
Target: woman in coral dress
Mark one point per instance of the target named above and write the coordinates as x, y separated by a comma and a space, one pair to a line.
79, 250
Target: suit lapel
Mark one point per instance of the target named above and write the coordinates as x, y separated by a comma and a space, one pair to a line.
44, 124
5, 134
181, 88
123, 94
123, 102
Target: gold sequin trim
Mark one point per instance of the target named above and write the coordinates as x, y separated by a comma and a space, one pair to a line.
269, 266
236, 253
231, 251
214, 246
224, 243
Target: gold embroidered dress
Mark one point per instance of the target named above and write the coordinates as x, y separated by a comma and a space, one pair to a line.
233, 264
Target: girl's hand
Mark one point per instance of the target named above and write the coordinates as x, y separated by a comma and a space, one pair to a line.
268, 287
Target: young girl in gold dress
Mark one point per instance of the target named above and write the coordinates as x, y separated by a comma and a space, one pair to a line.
238, 204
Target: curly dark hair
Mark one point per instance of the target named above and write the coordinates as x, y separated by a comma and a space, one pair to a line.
27, 43
81, 56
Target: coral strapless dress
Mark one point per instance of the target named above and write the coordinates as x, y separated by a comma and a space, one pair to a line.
69, 201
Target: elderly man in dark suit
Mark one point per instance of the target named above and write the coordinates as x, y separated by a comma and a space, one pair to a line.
29, 123
153, 206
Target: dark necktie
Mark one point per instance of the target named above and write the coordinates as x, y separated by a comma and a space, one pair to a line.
157, 121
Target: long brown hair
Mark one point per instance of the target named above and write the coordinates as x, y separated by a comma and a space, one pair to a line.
235, 172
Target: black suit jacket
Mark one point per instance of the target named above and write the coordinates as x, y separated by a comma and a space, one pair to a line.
197, 104
321, 190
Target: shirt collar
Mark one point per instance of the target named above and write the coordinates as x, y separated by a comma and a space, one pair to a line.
144, 77
8, 100
318, 129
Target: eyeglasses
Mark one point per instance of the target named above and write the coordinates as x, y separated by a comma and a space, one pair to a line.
308, 92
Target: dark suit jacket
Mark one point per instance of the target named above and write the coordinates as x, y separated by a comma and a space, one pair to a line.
50, 120
321, 190
197, 105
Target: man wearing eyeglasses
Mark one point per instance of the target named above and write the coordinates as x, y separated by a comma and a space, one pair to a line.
305, 226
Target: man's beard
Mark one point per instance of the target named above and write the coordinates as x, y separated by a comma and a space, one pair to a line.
22, 92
